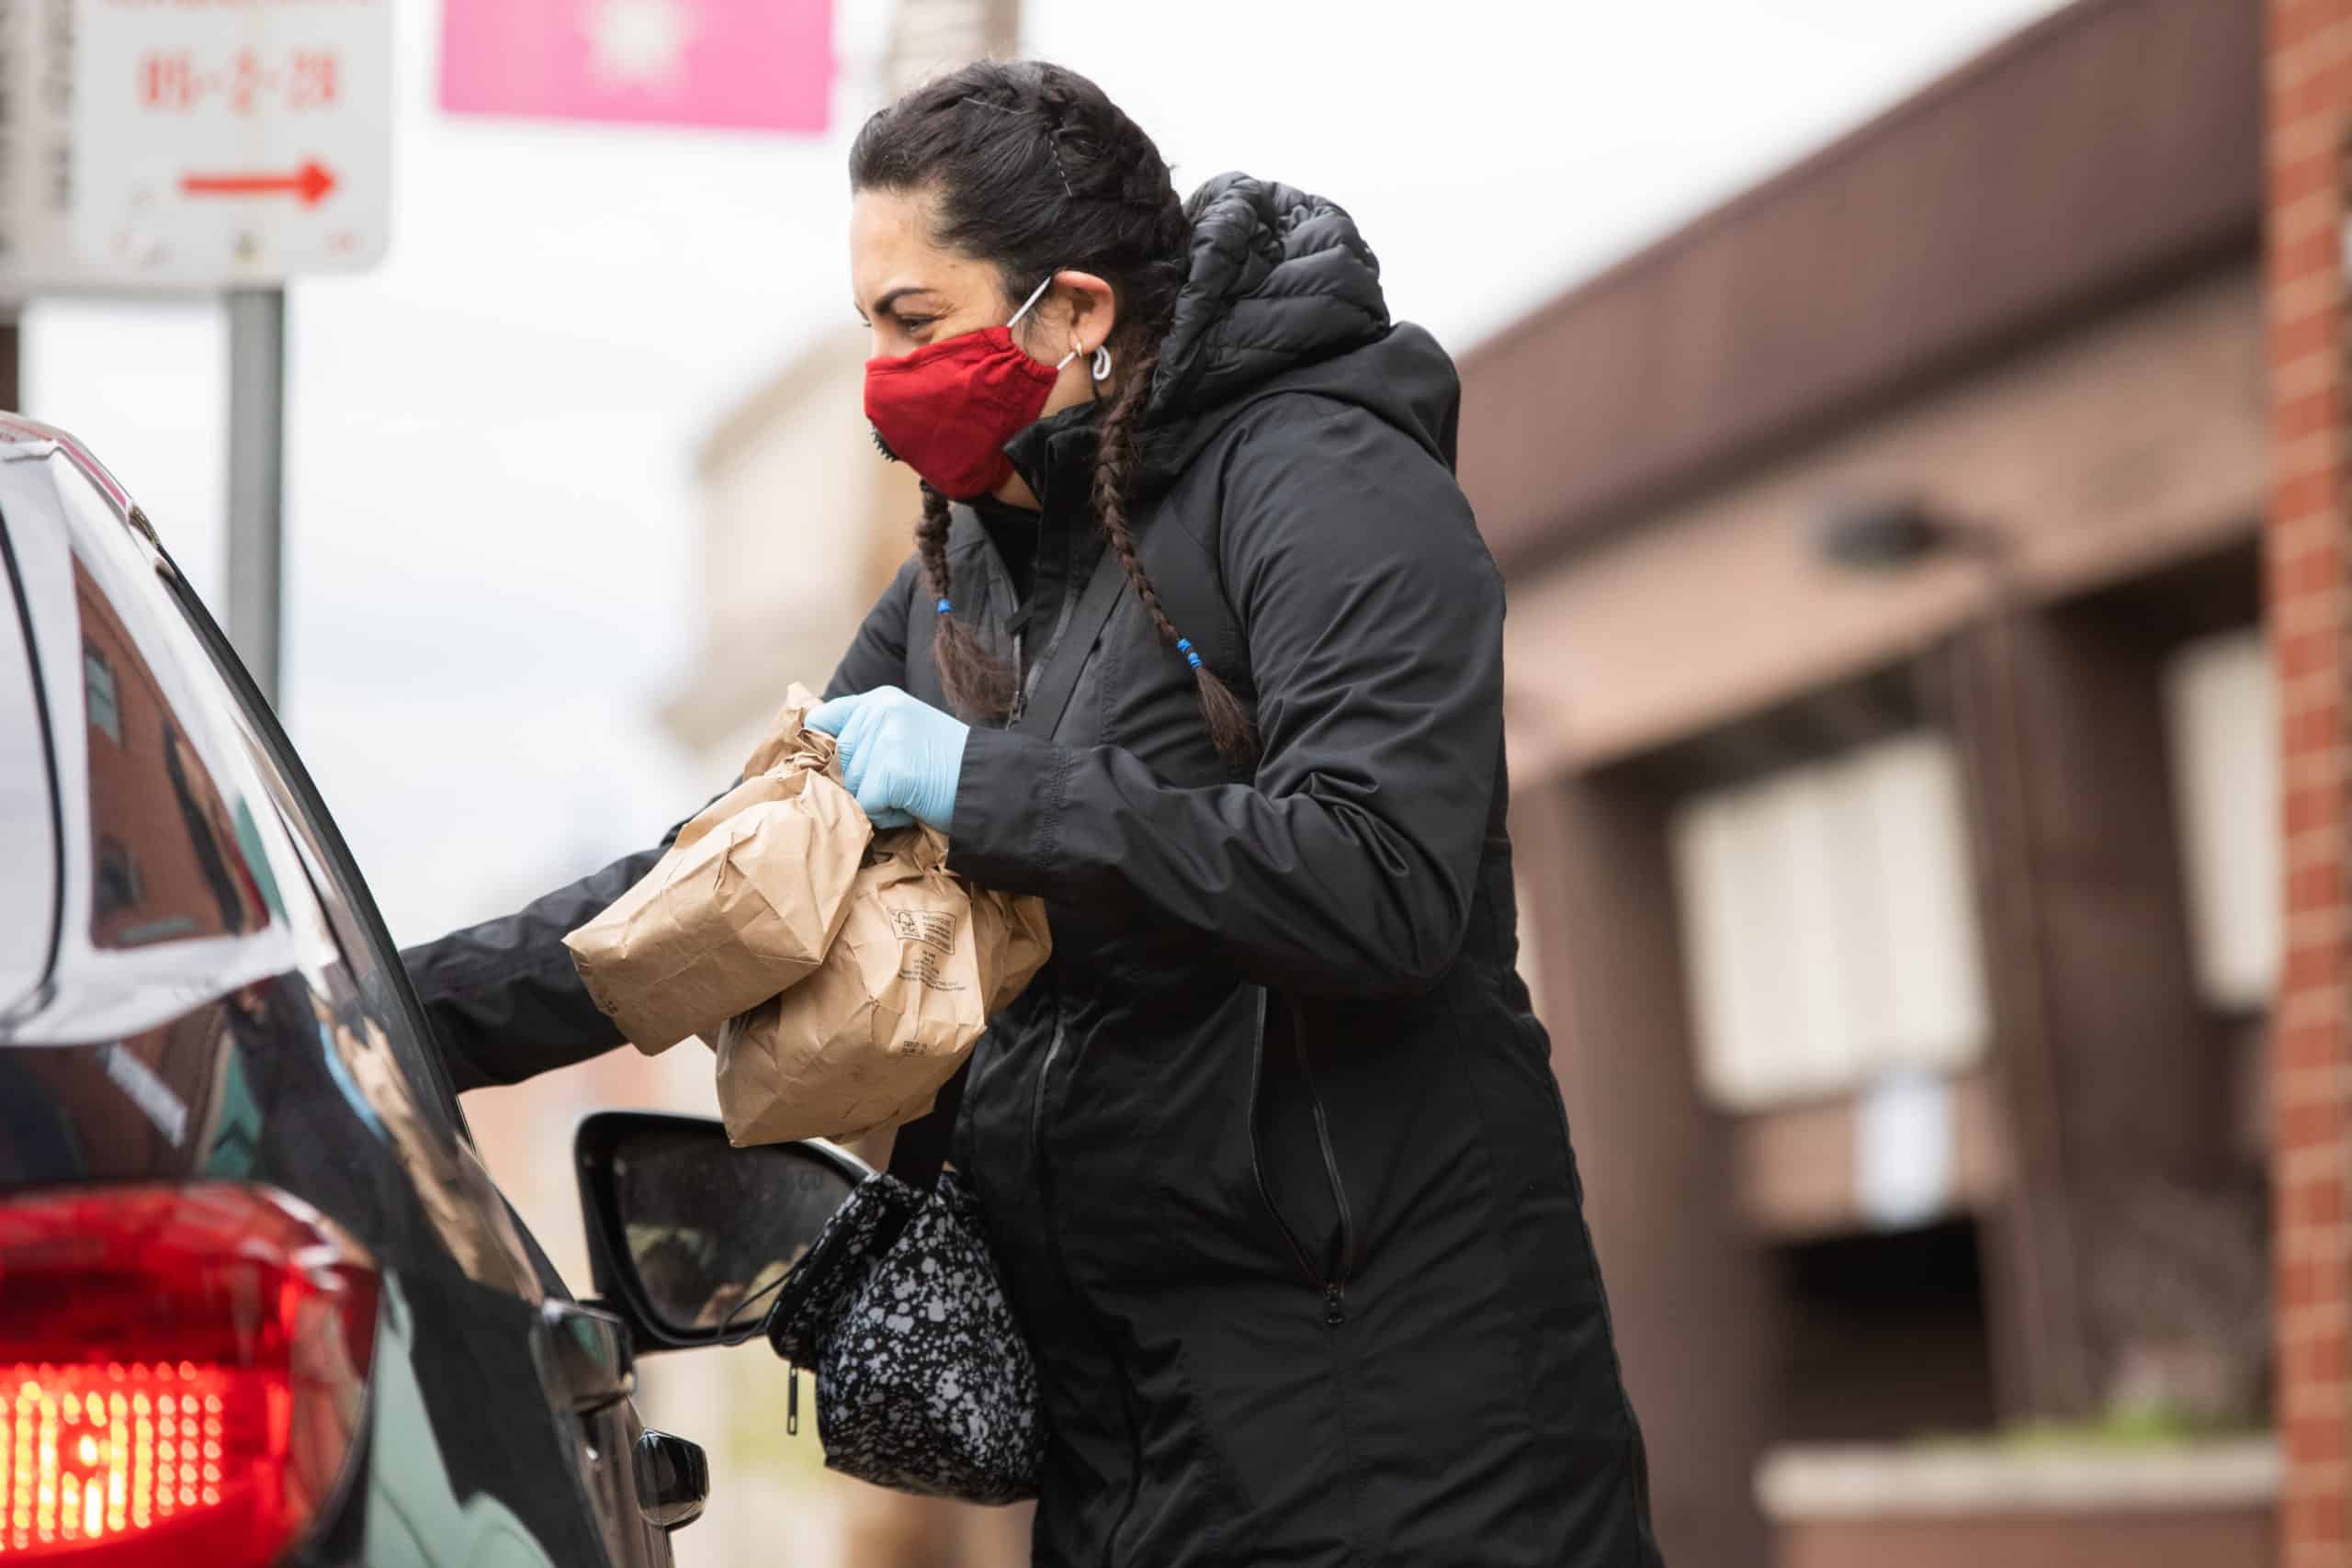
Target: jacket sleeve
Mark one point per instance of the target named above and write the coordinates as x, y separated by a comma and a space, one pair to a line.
502, 996
878, 655
1374, 617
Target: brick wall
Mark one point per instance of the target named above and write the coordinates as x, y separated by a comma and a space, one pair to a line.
2308, 133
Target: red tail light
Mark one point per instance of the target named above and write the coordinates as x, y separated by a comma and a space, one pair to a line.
183, 1371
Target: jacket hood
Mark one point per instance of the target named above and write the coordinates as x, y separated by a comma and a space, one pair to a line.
1283, 294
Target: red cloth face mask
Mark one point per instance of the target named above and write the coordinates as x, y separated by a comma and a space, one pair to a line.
947, 409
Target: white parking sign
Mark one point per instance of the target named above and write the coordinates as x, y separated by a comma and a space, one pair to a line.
195, 143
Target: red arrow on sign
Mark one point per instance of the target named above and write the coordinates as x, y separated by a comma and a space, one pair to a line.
312, 184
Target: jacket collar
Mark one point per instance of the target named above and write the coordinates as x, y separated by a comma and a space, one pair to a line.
1055, 455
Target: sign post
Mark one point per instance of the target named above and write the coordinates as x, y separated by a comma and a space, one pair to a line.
256, 478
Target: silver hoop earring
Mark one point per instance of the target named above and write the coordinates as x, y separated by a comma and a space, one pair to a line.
1102, 367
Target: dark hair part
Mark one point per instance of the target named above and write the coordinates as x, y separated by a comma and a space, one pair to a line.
1032, 169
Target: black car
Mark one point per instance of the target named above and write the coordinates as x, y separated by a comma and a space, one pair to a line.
259, 1301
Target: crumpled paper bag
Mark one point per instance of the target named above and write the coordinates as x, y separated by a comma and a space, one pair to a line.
1015, 943
746, 901
919, 962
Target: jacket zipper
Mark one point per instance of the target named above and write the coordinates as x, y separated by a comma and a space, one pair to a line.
1061, 1264
1332, 1287
1021, 681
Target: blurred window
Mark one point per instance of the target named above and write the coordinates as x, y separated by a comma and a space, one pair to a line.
97, 685
1829, 925
117, 884
2222, 709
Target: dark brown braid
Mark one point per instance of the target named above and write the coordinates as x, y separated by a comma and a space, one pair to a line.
1032, 168
976, 680
1116, 462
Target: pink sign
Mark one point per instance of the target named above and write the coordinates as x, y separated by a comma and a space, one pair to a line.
753, 64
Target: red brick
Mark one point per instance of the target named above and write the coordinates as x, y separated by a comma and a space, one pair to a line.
2322, 50
2324, 928
2297, 612
2307, 98
2312, 170
2321, 88
2290, 301
2309, 420
2309, 964
2293, 21
2310, 1110
2313, 843
2317, 688
2296, 452
2312, 493
2307, 256
2301, 1046
2314, 726
2304, 1283
2314, 1519
2314, 1203
2316, 887
2306, 652
2309, 528
2292, 140
2306, 809
2317, 1439
2296, 567
2314, 1007
2316, 369
2313, 415
2315, 213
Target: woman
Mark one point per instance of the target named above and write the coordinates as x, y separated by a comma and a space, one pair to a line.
1271, 1154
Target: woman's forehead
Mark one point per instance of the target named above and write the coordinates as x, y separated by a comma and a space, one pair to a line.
891, 251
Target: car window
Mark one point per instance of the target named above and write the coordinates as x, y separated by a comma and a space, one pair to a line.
144, 664
174, 855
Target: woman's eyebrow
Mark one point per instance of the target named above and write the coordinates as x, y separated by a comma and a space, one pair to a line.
895, 295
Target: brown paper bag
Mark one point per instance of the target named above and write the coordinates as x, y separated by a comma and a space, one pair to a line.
866, 1041
746, 901
1015, 943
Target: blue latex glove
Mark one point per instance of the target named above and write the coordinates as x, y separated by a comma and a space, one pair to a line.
900, 757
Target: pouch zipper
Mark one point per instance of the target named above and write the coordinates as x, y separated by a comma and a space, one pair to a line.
1332, 1287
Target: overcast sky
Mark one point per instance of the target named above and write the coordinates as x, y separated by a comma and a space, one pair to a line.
491, 512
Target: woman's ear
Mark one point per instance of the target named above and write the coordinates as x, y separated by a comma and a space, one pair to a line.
1091, 311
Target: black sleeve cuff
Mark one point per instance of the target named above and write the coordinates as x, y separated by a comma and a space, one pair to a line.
1009, 800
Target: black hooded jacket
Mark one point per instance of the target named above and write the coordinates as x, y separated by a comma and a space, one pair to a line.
1271, 1154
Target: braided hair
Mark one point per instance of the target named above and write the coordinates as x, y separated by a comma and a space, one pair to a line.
1032, 168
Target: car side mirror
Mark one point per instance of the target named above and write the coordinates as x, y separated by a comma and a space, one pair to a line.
689, 1236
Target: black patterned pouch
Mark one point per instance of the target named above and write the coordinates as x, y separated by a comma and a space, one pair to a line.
923, 1382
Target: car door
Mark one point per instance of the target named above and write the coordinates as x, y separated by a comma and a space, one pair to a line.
502, 1427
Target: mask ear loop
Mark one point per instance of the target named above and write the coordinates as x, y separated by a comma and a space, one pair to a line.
1035, 295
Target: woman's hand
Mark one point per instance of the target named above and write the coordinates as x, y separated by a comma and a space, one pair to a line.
899, 756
